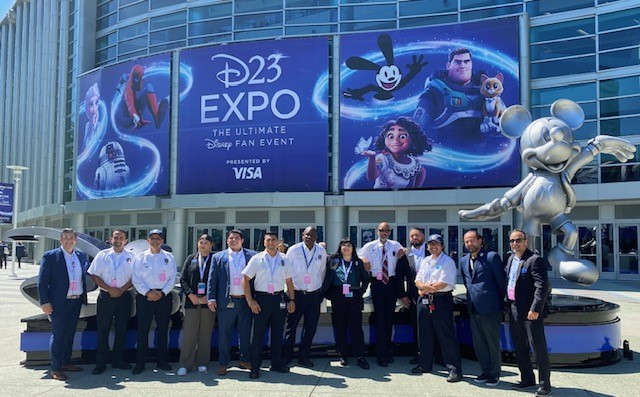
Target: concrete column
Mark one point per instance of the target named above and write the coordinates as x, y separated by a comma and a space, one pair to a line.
77, 222
336, 225
176, 233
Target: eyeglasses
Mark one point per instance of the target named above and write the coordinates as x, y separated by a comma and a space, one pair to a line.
384, 230
516, 240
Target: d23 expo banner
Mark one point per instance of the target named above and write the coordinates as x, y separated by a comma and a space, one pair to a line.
249, 121
420, 107
123, 130
6, 203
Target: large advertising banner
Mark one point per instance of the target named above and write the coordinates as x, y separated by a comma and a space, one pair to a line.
420, 108
123, 130
248, 121
6, 203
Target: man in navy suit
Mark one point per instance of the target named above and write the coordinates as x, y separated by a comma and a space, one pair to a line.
527, 292
62, 291
483, 276
226, 296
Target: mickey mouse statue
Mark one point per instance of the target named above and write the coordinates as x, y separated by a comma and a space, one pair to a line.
545, 196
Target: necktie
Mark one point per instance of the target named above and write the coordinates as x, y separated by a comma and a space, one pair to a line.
385, 266
471, 263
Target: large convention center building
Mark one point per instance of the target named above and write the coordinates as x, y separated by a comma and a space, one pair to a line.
201, 116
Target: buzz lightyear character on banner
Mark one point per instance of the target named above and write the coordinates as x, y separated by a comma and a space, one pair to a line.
545, 195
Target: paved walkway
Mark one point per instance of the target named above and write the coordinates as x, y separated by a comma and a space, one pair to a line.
326, 379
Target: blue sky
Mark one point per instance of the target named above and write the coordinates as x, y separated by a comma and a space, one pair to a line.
4, 7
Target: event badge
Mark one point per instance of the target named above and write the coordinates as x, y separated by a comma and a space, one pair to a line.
73, 285
283, 305
201, 287
271, 288
230, 305
307, 279
236, 280
345, 288
379, 276
113, 282
162, 276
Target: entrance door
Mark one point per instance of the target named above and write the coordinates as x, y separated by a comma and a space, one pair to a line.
628, 251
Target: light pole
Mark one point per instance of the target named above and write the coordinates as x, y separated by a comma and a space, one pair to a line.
17, 176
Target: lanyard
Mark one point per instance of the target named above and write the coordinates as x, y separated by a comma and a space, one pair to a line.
234, 259
346, 271
304, 252
201, 265
272, 264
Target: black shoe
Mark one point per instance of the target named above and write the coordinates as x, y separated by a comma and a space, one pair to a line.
523, 385
454, 377
343, 361
482, 378
137, 370
305, 362
542, 391
254, 374
413, 361
164, 366
362, 363
383, 363
280, 368
122, 366
98, 370
419, 370
492, 382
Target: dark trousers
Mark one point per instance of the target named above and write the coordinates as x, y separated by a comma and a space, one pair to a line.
485, 330
271, 315
438, 324
3, 259
384, 305
346, 315
64, 321
525, 334
307, 306
115, 311
147, 311
239, 317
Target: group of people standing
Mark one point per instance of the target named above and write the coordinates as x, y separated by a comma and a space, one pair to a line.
252, 292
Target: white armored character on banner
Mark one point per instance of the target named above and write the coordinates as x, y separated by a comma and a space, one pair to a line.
545, 195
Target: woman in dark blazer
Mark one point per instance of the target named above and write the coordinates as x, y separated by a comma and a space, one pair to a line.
345, 282
195, 350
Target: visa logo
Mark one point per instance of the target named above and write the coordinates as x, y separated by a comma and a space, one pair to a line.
247, 172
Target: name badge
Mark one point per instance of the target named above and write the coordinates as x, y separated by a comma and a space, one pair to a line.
379, 276
283, 305
73, 285
113, 282
162, 276
349, 295
345, 288
307, 279
271, 288
201, 287
237, 280
231, 305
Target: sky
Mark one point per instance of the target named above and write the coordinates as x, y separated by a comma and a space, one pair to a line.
4, 7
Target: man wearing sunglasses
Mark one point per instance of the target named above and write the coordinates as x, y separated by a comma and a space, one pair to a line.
527, 291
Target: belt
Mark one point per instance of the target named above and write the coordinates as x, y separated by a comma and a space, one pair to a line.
276, 293
236, 296
73, 296
307, 292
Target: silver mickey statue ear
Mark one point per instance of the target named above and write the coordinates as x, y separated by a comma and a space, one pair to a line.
569, 112
514, 121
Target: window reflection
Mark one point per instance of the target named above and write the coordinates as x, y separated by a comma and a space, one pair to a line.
563, 67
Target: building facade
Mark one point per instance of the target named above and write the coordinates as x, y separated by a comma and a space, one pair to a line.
584, 50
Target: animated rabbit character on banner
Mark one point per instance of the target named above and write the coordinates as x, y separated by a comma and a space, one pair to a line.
545, 195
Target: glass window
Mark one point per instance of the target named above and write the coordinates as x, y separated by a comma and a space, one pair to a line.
491, 12
362, 1
258, 21
561, 49
588, 130
133, 55
257, 34
577, 93
310, 3
213, 11
132, 31
126, 2
320, 15
165, 21
133, 11
167, 47
563, 67
106, 41
107, 21
357, 13
620, 126
164, 3
132, 45
310, 29
424, 21
580, 27
617, 20
621, 173
623, 38
210, 27
257, 6
164, 36
362, 26
106, 8
621, 86
545, 7
606, 246
210, 39
464, 4
620, 107
426, 7
618, 59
